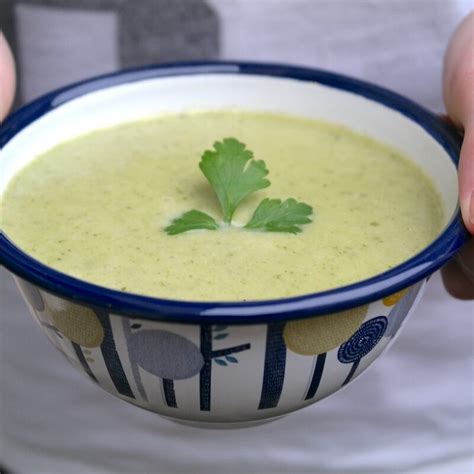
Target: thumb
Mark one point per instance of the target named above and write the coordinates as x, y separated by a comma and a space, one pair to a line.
458, 274
7, 77
466, 177
458, 88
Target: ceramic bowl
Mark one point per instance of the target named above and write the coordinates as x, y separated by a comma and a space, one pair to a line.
216, 364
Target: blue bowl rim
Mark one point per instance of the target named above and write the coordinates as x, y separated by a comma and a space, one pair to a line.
244, 312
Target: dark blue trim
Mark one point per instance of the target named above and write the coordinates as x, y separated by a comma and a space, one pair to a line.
208, 354
230, 350
406, 274
83, 361
111, 357
168, 390
274, 366
317, 375
127, 332
351, 373
205, 376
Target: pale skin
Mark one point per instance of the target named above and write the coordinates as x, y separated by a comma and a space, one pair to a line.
458, 90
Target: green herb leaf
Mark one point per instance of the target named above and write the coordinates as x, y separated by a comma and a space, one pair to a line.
191, 220
273, 215
233, 174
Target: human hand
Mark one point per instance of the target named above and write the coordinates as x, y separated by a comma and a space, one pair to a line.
458, 87
7, 77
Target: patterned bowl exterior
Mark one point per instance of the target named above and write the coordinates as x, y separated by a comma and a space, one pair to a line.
220, 373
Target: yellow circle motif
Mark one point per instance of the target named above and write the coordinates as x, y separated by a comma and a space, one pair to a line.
392, 300
323, 333
77, 323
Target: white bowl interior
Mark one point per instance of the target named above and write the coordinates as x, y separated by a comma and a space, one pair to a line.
150, 97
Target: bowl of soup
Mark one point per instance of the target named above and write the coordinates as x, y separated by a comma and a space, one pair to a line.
234, 326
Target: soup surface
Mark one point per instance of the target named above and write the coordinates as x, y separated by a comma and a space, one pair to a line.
95, 207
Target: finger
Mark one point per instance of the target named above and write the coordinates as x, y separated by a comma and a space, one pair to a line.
458, 73
466, 178
458, 274
7, 77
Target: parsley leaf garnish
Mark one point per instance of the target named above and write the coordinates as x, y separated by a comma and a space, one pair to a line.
192, 220
234, 175
273, 215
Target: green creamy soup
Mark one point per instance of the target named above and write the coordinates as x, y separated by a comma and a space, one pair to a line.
96, 207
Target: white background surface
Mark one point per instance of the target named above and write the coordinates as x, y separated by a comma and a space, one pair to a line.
412, 412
